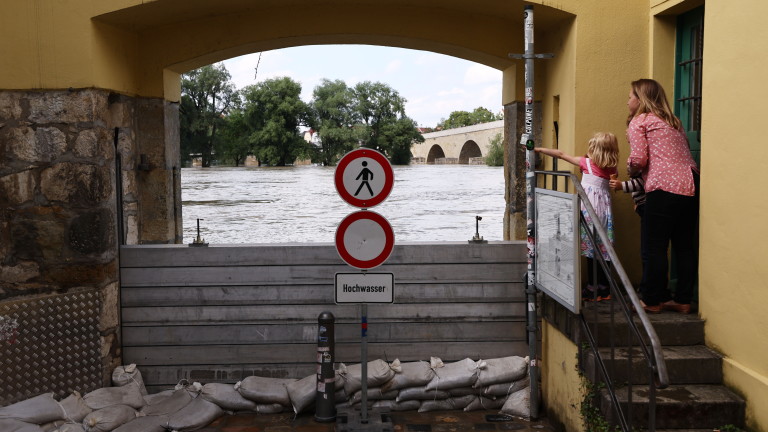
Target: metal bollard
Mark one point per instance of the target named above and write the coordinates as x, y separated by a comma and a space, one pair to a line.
325, 403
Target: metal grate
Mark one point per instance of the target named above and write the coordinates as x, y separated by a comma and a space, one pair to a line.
50, 344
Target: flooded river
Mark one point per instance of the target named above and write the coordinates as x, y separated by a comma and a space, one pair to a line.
300, 204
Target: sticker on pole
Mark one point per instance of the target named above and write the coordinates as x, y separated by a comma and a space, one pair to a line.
364, 178
365, 288
364, 239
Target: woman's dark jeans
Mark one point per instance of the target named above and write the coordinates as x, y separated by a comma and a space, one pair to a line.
670, 218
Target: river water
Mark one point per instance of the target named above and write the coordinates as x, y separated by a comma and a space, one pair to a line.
300, 204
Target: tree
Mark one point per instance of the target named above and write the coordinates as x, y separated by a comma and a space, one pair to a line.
207, 96
465, 118
495, 155
235, 144
385, 126
333, 117
274, 112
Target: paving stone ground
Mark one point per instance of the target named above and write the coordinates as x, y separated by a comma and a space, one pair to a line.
407, 421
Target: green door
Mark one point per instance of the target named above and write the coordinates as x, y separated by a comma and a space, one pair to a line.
689, 56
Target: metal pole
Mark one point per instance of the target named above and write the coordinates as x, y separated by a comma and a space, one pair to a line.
325, 402
530, 184
364, 362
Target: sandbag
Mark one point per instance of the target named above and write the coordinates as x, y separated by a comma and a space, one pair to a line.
464, 391
506, 389
13, 425
484, 403
379, 372
109, 418
225, 396
456, 403
145, 424
409, 405
71, 427
123, 375
154, 398
50, 426
501, 370
302, 393
37, 410
75, 408
128, 394
265, 390
168, 404
518, 404
195, 415
420, 393
373, 394
462, 373
410, 374
270, 408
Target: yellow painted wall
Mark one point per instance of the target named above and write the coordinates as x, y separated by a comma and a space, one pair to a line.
561, 385
733, 289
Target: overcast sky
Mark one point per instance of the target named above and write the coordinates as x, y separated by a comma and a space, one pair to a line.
434, 85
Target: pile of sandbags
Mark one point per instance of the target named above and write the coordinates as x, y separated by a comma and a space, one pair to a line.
431, 386
468, 385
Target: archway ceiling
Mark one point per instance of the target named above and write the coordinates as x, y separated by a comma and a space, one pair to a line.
193, 33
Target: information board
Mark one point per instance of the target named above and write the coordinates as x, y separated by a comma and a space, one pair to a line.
557, 247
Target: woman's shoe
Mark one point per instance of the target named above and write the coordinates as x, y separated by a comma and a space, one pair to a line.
676, 307
656, 309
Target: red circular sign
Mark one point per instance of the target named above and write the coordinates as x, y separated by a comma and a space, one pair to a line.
364, 178
364, 239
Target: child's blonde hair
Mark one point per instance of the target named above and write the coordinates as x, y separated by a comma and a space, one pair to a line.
603, 149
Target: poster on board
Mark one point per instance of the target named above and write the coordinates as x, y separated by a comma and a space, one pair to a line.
557, 247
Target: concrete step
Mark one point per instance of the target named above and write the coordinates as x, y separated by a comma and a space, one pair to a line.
695, 364
682, 406
673, 329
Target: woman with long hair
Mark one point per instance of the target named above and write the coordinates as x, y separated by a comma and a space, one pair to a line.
660, 153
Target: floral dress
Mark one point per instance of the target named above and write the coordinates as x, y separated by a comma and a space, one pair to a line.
595, 183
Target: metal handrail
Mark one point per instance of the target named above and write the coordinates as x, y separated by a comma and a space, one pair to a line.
655, 358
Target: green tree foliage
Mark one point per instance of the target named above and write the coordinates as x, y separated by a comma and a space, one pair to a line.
495, 151
207, 94
274, 112
235, 144
333, 117
385, 127
465, 118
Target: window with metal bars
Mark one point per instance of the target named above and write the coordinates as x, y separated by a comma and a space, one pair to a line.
688, 74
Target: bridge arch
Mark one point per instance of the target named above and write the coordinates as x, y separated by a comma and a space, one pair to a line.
435, 152
469, 150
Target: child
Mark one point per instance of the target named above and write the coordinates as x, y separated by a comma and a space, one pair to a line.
636, 186
596, 168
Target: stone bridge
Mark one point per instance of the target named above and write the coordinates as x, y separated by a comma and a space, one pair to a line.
466, 145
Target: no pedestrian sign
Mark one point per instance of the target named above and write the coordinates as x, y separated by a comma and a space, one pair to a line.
364, 178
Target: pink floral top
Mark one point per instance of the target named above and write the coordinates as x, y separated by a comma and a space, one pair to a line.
662, 154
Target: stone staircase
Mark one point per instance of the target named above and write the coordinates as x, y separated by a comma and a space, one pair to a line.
696, 399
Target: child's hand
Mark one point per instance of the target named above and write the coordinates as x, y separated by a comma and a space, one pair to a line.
614, 183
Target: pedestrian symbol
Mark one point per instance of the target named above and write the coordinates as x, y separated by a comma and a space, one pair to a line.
364, 177
365, 173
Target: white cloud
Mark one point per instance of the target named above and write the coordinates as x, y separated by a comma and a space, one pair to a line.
393, 66
481, 74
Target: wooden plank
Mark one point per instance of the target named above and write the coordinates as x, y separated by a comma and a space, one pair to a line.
464, 312
307, 333
287, 275
314, 253
314, 294
349, 353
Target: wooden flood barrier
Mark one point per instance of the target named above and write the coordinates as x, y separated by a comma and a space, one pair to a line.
221, 313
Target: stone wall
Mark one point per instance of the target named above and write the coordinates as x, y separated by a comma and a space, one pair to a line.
61, 221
